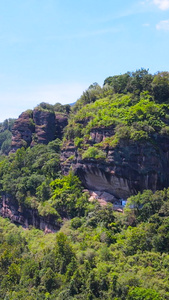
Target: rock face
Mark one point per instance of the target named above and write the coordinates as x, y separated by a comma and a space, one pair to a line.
37, 126
45, 130
26, 217
33, 127
22, 131
128, 168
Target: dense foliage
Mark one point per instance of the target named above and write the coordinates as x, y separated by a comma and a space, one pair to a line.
102, 255
6, 135
97, 253
32, 177
135, 105
57, 108
21, 173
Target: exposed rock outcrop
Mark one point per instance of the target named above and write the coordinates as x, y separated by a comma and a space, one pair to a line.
128, 168
26, 216
61, 122
45, 130
37, 126
22, 131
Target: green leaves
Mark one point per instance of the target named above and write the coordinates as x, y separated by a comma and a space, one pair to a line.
67, 196
143, 294
6, 136
93, 152
26, 175
160, 86
95, 257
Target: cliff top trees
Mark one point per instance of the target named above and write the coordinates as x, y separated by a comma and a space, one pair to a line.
160, 87
132, 82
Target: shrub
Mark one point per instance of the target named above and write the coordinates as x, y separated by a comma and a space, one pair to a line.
76, 222
93, 152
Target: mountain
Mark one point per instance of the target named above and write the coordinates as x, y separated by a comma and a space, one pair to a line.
115, 138
40, 126
67, 171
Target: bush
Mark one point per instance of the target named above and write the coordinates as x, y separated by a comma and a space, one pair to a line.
76, 222
93, 152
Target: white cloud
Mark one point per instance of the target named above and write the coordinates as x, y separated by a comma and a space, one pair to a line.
163, 25
162, 4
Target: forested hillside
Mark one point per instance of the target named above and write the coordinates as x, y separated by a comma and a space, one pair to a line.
98, 255
6, 135
66, 169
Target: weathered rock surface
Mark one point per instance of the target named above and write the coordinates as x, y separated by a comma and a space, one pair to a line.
26, 216
61, 122
44, 126
37, 126
22, 131
128, 168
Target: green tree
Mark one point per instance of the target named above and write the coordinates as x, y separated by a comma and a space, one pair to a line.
64, 253
139, 293
160, 87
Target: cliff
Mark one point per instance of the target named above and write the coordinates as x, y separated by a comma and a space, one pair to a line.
37, 127
22, 131
26, 217
126, 169
117, 142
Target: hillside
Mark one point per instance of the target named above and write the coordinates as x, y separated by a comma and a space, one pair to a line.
115, 139
119, 142
65, 171
6, 136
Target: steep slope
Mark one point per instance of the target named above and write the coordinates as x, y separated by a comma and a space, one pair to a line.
119, 143
128, 168
37, 127
6, 135
116, 141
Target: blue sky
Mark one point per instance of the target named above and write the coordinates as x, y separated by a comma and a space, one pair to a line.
52, 50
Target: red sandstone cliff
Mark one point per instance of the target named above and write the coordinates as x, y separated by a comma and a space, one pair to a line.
37, 126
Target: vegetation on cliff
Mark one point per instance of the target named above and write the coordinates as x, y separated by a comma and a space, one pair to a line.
135, 104
6, 135
57, 108
102, 255
97, 253
32, 177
